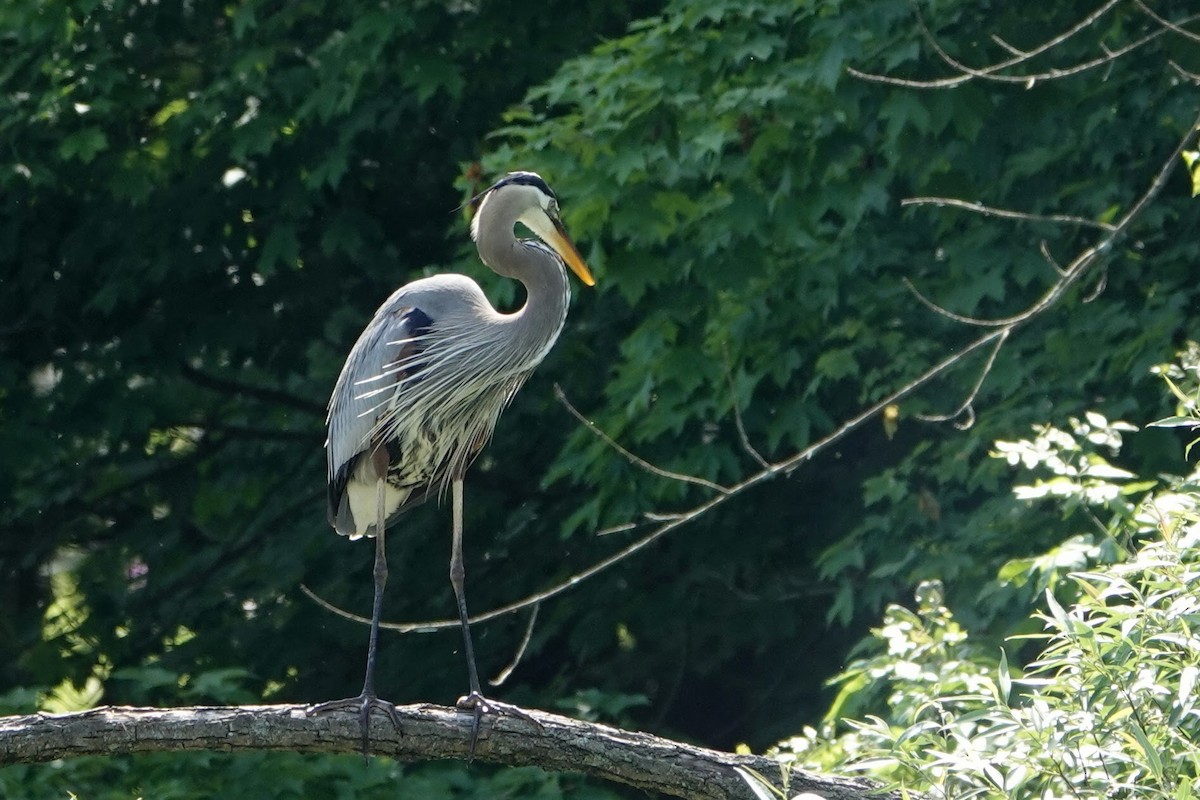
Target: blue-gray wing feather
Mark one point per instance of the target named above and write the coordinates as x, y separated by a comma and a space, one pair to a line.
385, 356
426, 381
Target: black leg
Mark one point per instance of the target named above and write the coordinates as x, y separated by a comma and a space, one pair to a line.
368, 700
474, 702
475, 699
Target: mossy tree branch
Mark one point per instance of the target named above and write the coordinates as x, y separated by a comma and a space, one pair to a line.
428, 732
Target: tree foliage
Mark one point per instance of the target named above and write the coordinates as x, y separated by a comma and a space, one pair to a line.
208, 201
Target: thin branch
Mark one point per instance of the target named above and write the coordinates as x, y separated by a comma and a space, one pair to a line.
1015, 51
1044, 249
1191, 76
507, 671
908, 83
967, 406
1082, 262
427, 732
341, 612
230, 386
737, 414
1050, 44
1160, 179
641, 463
944, 83
992, 73
1098, 290
945, 312
625, 526
1166, 23
990, 211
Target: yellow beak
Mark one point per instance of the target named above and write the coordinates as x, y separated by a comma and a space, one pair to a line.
563, 245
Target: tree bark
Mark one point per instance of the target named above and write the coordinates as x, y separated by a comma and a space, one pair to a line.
427, 732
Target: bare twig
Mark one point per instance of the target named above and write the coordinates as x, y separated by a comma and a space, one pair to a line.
1044, 249
737, 414
993, 73
1098, 289
231, 386
1083, 262
638, 462
624, 526
512, 665
1191, 76
996, 72
1050, 44
908, 83
945, 312
989, 211
1166, 23
1015, 51
968, 406
331, 608
945, 83
1160, 180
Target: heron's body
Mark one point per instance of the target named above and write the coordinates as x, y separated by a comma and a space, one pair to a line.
431, 424
421, 390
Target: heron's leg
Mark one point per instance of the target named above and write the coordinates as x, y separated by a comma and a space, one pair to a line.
458, 575
474, 700
368, 699
380, 574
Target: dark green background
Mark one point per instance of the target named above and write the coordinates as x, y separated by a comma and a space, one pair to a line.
167, 342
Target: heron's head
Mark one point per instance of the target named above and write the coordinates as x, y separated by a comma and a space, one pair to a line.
537, 208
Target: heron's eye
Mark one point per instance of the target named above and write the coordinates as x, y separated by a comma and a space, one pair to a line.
552, 208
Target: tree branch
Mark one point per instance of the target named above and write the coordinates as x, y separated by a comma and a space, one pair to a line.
264, 393
1005, 213
1166, 23
637, 461
1021, 56
428, 732
995, 72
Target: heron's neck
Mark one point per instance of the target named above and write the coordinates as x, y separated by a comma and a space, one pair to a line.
536, 325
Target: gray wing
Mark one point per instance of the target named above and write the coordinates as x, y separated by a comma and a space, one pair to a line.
386, 354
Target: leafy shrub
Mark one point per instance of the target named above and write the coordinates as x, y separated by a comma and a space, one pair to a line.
1107, 708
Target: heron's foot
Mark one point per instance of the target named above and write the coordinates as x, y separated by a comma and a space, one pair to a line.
478, 704
364, 704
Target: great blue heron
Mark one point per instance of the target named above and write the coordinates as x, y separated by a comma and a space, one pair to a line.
422, 389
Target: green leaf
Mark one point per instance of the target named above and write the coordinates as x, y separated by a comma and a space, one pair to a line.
837, 363
83, 145
1175, 422
1058, 613
282, 247
1149, 750
1005, 679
